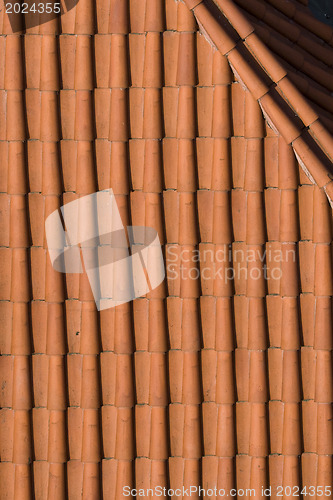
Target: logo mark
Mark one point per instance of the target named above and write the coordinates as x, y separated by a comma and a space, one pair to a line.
121, 263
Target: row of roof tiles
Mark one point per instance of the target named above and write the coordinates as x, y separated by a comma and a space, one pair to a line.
231, 217
87, 480
141, 67
83, 380
252, 315
269, 85
278, 275
192, 428
252, 429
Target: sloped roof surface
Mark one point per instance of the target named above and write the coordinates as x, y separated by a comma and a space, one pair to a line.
222, 376
268, 81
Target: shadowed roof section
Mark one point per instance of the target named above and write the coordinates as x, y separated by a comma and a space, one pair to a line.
322, 10
284, 106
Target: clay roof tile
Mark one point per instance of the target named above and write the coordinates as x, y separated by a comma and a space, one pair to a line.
13, 110
279, 114
191, 4
186, 68
322, 227
218, 32
305, 150
323, 136
298, 103
184, 324
13, 63
113, 17
236, 18
313, 25
323, 313
255, 229
219, 435
187, 118
247, 72
253, 120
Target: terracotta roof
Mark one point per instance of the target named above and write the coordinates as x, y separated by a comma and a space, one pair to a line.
211, 123
255, 66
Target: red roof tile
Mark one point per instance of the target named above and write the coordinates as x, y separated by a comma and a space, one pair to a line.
211, 122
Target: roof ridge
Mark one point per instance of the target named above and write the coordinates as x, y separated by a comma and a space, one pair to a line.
254, 65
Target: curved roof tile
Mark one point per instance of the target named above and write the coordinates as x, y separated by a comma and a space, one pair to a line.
259, 70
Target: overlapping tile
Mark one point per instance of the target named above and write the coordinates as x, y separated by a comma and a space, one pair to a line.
223, 375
